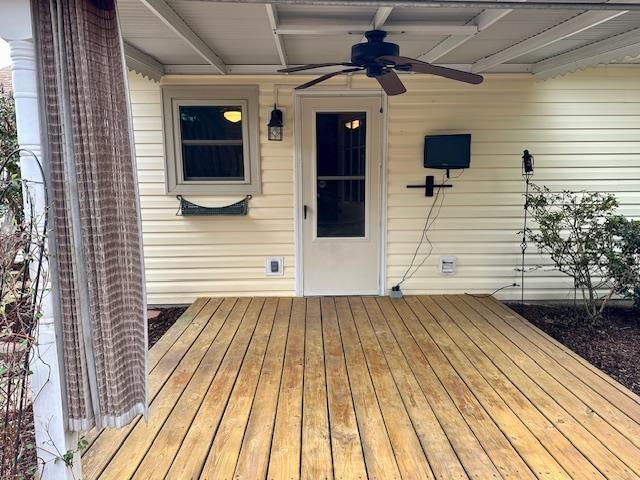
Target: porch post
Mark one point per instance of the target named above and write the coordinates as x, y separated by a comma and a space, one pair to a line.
52, 439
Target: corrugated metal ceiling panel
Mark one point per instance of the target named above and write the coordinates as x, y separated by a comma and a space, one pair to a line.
145, 31
514, 28
319, 49
608, 29
445, 15
239, 34
137, 21
293, 13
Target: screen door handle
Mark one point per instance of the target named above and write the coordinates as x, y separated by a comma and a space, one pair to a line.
305, 212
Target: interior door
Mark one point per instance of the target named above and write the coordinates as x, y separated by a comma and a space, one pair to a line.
341, 165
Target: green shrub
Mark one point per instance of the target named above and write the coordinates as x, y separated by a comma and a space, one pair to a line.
624, 261
588, 240
10, 189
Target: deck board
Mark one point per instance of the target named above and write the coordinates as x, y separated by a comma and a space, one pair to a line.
164, 447
622, 456
253, 460
346, 449
378, 452
444, 387
410, 457
565, 453
286, 445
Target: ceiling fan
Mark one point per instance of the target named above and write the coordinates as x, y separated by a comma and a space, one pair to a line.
381, 60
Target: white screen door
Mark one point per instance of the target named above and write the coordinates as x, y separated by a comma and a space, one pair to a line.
341, 155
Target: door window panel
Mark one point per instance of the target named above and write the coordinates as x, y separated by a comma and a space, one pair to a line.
341, 174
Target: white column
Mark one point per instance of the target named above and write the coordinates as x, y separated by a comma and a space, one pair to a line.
52, 439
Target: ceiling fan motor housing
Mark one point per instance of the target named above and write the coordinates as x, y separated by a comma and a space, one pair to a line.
365, 54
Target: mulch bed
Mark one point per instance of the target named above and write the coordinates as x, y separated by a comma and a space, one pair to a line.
613, 346
160, 323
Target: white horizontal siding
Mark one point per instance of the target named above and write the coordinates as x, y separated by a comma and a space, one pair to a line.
583, 128
188, 257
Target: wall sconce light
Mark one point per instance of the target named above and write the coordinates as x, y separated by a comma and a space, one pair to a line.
527, 164
276, 125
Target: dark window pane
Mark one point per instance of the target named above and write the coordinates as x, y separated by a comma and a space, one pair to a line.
341, 208
209, 122
341, 143
213, 162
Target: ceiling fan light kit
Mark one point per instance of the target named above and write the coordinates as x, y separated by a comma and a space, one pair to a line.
380, 60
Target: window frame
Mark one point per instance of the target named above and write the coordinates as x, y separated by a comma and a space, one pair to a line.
173, 97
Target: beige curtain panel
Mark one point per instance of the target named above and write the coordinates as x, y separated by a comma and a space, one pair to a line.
96, 245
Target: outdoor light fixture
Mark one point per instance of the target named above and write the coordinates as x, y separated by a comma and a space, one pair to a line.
275, 125
353, 124
233, 116
527, 163
527, 173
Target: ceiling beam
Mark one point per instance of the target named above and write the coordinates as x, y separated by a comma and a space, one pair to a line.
379, 19
602, 52
566, 29
164, 12
272, 14
143, 63
484, 20
447, 45
381, 16
345, 29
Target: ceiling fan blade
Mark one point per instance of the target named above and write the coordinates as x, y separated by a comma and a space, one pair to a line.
391, 83
406, 64
312, 66
327, 77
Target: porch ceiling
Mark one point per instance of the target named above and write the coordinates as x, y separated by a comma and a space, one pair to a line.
209, 37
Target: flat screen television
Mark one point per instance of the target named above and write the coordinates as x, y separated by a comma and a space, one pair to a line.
447, 152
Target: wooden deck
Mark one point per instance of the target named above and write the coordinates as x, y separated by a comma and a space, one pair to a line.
426, 387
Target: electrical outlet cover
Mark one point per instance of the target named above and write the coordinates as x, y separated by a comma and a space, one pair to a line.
274, 266
447, 265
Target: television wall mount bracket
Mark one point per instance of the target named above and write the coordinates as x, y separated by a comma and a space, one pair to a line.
429, 186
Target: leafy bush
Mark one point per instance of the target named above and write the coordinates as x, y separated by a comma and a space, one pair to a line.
10, 190
624, 262
588, 240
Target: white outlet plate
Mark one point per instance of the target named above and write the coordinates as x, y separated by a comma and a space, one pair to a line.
267, 266
447, 265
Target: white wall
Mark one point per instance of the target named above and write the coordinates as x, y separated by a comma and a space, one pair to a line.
583, 128
187, 257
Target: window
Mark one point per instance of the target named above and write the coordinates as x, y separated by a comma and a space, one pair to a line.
211, 139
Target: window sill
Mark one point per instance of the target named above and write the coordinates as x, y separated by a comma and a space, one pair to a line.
214, 189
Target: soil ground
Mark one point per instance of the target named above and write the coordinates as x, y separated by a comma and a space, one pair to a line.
162, 322
613, 345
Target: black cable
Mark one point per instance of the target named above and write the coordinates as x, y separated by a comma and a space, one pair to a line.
424, 237
487, 295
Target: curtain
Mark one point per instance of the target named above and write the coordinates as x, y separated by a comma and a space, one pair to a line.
96, 246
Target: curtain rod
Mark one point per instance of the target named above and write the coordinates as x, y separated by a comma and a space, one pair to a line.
488, 4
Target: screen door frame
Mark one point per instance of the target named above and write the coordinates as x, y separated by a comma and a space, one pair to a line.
298, 179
